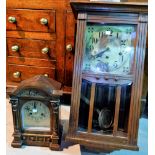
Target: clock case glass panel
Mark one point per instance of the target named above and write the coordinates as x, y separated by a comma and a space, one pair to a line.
104, 108
109, 48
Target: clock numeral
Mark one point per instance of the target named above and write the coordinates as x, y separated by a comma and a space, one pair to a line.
117, 34
101, 34
122, 58
27, 108
115, 64
95, 40
31, 92
36, 118
123, 42
31, 103
91, 47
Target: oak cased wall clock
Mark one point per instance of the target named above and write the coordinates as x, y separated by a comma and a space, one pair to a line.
35, 110
108, 71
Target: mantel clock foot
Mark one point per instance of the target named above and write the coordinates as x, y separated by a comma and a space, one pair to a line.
17, 142
55, 143
55, 147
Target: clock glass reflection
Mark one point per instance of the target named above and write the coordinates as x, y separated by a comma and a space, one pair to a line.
109, 48
35, 116
103, 110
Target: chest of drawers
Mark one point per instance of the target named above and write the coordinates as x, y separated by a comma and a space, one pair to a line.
40, 40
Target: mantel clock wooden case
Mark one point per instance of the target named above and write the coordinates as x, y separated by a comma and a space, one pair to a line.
108, 71
35, 109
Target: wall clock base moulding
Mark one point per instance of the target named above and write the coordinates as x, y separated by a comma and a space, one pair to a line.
103, 146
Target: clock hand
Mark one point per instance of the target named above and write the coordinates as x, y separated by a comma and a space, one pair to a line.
34, 105
99, 54
34, 108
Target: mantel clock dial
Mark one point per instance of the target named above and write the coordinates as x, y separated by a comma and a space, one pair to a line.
35, 116
108, 71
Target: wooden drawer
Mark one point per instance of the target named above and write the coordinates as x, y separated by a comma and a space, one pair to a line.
31, 62
27, 72
36, 4
31, 48
29, 20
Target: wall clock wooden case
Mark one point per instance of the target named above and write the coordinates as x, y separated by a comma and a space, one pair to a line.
35, 110
108, 71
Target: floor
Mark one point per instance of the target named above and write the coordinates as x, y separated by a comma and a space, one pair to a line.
72, 149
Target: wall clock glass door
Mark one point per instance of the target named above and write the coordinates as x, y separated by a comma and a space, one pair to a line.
105, 102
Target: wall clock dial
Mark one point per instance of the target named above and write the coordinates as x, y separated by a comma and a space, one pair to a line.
109, 48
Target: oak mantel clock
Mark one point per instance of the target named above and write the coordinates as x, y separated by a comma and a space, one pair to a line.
108, 71
35, 109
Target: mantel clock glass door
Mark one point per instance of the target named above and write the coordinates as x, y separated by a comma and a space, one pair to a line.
107, 78
35, 116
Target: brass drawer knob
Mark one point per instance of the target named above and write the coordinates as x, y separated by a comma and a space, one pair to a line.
46, 75
116, 78
45, 50
15, 48
43, 21
16, 74
106, 77
12, 19
69, 47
